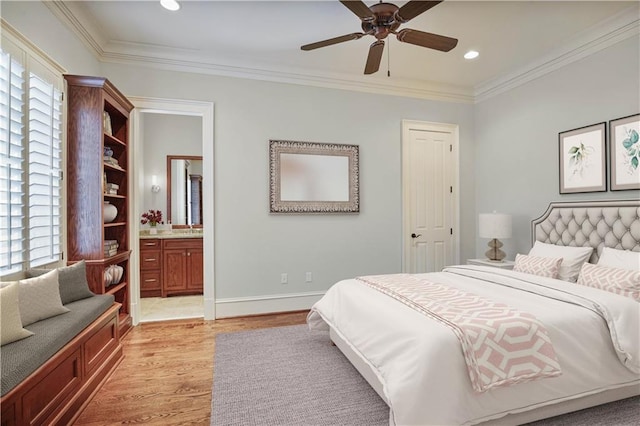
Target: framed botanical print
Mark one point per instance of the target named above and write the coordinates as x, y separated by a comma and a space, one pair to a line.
583, 159
624, 153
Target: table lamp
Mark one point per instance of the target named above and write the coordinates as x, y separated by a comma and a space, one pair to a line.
494, 225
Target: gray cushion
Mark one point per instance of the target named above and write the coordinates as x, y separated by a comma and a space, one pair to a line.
39, 298
21, 358
72, 279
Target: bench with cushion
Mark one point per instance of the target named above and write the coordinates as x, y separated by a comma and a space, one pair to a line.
57, 362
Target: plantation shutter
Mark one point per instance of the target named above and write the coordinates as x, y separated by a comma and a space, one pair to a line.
30, 155
44, 171
12, 237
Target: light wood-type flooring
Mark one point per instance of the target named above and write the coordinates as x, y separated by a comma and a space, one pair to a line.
166, 376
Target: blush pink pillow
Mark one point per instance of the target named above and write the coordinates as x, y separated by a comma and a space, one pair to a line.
541, 266
615, 280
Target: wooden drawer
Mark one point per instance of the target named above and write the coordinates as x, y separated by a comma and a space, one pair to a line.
150, 260
101, 344
182, 243
41, 402
151, 244
150, 281
9, 414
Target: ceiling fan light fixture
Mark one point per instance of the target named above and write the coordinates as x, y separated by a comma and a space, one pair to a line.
472, 54
171, 5
382, 19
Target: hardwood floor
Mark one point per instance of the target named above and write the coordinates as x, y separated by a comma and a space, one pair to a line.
167, 374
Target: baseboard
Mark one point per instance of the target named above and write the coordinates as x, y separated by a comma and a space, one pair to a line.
242, 306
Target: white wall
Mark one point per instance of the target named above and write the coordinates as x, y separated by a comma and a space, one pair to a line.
254, 247
517, 135
508, 160
165, 134
42, 28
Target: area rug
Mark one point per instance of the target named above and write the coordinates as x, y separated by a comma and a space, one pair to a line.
291, 376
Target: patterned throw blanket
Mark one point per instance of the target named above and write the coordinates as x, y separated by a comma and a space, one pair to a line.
501, 345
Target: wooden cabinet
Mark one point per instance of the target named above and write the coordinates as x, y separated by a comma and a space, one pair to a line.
171, 266
57, 392
183, 267
98, 171
150, 268
195, 278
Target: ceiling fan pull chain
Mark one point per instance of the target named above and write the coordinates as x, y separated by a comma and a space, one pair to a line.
389, 60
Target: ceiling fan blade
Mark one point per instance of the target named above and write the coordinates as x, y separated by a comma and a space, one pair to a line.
360, 9
432, 41
375, 57
414, 8
335, 40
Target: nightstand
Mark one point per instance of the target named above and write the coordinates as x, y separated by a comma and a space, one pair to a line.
506, 264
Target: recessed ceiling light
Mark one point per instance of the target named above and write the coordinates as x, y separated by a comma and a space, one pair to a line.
472, 54
171, 5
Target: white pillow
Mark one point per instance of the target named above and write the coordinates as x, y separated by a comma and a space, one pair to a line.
615, 280
621, 259
572, 258
40, 298
541, 266
11, 329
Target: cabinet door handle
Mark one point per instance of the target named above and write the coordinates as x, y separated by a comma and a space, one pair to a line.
149, 244
189, 254
150, 280
150, 259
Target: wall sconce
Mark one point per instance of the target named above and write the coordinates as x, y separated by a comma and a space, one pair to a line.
494, 225
155, 188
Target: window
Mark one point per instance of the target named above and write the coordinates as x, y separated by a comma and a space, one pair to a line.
30, 156
44, 171
11, 164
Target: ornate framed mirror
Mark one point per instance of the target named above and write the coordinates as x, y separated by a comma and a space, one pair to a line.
309, 177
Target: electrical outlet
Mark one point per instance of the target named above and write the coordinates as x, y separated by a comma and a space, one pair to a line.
309, 277
284, 278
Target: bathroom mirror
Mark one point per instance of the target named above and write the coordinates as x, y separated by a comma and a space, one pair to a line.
184, 190
308, 177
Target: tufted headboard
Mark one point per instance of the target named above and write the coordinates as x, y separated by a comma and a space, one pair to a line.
597, 224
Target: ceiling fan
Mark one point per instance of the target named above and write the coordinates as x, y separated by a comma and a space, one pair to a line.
383, 19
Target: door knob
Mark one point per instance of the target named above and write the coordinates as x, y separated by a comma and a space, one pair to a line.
414, 235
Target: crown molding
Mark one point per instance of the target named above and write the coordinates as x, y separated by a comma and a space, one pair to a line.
607, 33
85, 30
185, 60
405, 88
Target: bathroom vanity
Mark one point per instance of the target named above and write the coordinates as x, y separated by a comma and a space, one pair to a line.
171, 264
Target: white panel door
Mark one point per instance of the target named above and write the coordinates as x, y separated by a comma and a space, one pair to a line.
428, 199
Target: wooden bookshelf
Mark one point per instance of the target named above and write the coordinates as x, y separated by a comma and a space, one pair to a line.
88, 134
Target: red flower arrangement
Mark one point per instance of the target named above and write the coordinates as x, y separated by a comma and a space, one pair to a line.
153, 217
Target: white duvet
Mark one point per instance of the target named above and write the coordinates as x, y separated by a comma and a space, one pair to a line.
421, 366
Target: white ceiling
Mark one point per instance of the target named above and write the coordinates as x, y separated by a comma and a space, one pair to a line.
517, 40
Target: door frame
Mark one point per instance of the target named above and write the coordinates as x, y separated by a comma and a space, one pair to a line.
204, 110
453, 129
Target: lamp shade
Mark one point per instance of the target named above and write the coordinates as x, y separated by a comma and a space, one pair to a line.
494, 225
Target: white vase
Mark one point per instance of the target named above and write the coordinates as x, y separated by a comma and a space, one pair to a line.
153, 230
109, 212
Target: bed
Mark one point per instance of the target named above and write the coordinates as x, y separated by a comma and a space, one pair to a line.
415, 362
